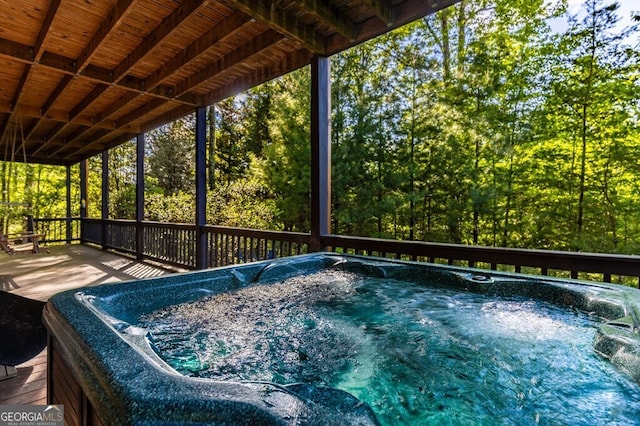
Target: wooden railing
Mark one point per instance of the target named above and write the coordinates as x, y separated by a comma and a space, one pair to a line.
176, 244
170, 243
58, 230
228, 245
589, 266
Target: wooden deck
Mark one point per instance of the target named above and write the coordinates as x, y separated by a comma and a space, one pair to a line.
40, 276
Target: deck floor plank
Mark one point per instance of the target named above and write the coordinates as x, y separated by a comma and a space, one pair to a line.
40, 276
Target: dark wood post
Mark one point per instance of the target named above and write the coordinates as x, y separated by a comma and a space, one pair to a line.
69, 232
83, 195
320, 151
139, 195
201, 187
105, 198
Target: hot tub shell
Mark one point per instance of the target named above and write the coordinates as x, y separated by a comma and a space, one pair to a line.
103, 370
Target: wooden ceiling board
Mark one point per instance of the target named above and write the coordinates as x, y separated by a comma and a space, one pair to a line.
9, 78
20, 20
39, 86
73, 25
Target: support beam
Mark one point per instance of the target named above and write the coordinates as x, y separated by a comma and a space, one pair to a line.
45, 32
105, 197
197, 48
83, 195
227, 62
167, 27
68, 182
338, 20
201, 188
276, 18
383, 10
113, 21
320, 151
139, 195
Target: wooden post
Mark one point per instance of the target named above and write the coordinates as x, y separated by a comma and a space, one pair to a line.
139, 195
69, 233
105, 198
83, 195
320, 151
201, 187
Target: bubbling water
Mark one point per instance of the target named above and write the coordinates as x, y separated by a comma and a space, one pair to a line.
416, 354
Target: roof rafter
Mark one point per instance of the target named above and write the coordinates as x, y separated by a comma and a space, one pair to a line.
278, 20
383, 10
15, 100
102, 145
37, 51
345, 26
77, 110
228, 61
198, 47
59, 117
164, 30
113, 21
292, 61
38, 47
121, 102
140, 112
22, 53
72, 141
190, 53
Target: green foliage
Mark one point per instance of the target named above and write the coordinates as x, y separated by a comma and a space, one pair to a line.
171, 156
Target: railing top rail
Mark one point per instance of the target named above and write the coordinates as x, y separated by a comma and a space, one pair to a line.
258, 233
551, 259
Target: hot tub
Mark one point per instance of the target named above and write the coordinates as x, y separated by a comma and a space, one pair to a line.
339, 339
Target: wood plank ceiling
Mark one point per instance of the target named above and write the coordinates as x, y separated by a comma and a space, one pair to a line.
81, 76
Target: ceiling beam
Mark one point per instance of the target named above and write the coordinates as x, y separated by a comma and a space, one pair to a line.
170, 24
59, 117
14, 101
113, 20
402, 13
198, 47
75, 112
37, 51
140, 112
190, 53
289, 63
49, 140
383, 10
38, 47
339, 21
64, 82
269, 14
97, 146
72, 142
23, 53
225, 63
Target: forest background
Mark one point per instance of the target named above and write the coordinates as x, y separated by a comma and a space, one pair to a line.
510, 123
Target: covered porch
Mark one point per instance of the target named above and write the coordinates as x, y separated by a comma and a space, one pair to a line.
84, 78
72, 92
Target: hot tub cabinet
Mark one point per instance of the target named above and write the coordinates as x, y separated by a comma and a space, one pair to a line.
104, 370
